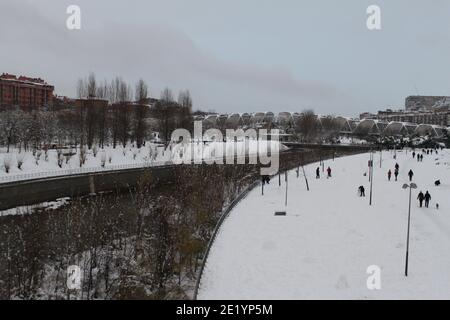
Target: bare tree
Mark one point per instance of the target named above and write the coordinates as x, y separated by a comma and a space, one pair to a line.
91, 86
329, 128
185, 100
167, 96
102, 114
124, 114
81, 112
118, 95
9, 122
165, 111
307, 124
140, 113
24, 130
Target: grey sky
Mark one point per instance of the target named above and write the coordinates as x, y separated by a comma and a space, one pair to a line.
233, 55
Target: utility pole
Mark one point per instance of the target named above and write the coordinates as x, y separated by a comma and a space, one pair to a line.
371, 178
410, 186
407, 233
286, 179
381, 157
306, 178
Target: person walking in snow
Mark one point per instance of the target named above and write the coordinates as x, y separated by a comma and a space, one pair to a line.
318, 173
265, 179
396, 174
362, 191
410, 174
414, 155
420, 197
397, 167
329, 172
421, 158
427, 199
389, 174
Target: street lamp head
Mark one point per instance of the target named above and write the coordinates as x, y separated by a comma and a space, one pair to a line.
405, 186
413, 186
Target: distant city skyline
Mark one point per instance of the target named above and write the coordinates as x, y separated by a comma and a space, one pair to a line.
239, 56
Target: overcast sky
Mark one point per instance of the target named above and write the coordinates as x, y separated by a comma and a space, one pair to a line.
239, 55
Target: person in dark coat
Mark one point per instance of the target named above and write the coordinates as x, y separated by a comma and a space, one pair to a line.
265, 179
410, 174
414, 155
329, 172
397, 167
389, 175
427, 199
396, 174
318, 173
362, 191
421, 197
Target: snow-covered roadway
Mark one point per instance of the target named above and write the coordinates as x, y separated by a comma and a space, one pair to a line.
330, 236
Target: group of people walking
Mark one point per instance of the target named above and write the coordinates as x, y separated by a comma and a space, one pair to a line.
424, 197
396, 172
318, 172
419, 157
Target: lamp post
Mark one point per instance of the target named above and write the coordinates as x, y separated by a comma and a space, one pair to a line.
381, 157
286, 180
371, 177
410, 186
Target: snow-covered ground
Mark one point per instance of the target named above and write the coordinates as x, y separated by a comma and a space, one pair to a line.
351, 141
330, 236
47, 205
115, 159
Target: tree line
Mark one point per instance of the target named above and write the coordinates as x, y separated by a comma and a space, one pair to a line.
105, 113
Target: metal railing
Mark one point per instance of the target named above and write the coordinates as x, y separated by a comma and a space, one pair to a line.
79, 171
218, 226
107, 168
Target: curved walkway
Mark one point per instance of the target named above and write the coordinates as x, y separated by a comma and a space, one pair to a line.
330, 236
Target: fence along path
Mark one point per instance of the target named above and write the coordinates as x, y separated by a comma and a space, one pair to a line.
107, 168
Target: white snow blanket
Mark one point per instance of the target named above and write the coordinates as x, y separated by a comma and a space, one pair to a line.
323, 247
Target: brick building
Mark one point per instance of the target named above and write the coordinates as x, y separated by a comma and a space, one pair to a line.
24, 92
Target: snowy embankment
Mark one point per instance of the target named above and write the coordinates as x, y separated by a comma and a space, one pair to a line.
330, 236
41, 165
